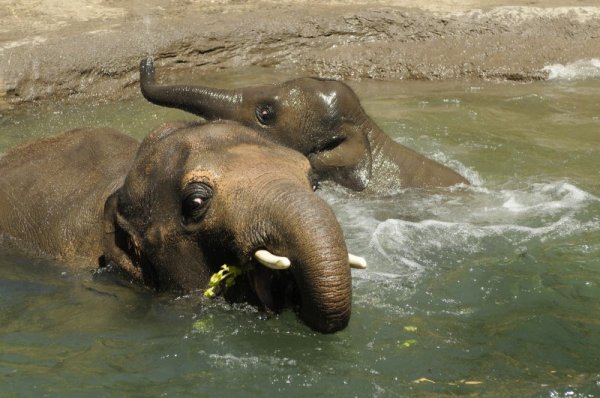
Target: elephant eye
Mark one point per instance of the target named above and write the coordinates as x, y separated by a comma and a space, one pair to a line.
265, 113
333, 143
195, 199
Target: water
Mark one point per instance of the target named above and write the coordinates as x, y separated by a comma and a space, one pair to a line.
491, 291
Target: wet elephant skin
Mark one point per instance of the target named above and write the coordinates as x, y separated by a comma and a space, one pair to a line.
322, 119
170, 211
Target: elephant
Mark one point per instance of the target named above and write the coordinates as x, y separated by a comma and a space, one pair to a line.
322, 119
169, 211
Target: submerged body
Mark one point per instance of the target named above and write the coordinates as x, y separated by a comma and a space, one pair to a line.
171, 211
52, 191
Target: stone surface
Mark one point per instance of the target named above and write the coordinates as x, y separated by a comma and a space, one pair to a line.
84, 49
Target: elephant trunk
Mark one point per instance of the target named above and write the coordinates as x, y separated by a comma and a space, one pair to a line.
307, 232
208, 103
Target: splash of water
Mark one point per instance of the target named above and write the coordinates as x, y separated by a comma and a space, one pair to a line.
495, 222
147, 20
579, 70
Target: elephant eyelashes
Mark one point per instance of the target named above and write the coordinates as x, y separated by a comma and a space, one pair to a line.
196, 197
265, 114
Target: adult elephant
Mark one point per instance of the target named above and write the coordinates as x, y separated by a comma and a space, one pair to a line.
171, 211
322, 119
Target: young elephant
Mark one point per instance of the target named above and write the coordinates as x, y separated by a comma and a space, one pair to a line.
322, 119
171, 211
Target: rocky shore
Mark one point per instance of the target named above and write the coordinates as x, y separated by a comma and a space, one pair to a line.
55, 49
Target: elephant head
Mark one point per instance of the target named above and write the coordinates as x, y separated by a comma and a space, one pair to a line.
200, 196
322, 119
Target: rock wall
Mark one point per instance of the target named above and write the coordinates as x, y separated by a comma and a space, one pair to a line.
82, 49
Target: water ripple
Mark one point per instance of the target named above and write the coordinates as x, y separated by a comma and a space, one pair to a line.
496, 222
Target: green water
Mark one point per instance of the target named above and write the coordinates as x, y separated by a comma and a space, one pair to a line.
494, 291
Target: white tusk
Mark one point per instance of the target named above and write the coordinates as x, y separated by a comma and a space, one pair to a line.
357, 262
272, 261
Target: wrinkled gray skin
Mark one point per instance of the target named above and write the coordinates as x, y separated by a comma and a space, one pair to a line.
171, 211
322, 119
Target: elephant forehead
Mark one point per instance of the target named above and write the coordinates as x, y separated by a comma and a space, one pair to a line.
246, 161
329, 98
322, 97
252, 160
268, 153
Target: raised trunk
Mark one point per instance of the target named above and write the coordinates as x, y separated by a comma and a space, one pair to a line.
208, 103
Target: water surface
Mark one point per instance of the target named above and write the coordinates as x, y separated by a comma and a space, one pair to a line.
493, 290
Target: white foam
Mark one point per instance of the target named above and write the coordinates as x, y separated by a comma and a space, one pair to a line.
495, 222
32, 41
412, 249
440, 235
512, 205
579, 70
546, 198
470, 174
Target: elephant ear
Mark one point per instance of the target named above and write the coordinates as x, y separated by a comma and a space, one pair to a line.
120, 241
349, 163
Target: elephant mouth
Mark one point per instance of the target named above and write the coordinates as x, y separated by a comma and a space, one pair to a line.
274, 290
270, 283
271, 286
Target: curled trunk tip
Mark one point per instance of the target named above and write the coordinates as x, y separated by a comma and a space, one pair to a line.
147, 74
